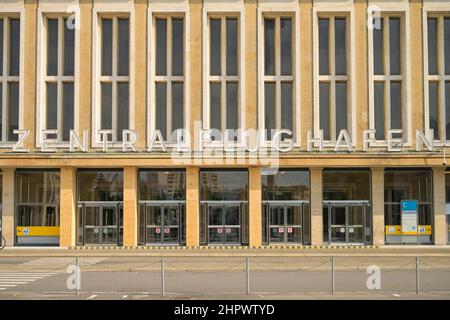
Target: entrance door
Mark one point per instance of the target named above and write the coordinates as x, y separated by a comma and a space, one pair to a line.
285, 223
224, 224
101, 225
346, 224
163, 224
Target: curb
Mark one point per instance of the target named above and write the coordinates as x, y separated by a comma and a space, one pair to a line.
208, 248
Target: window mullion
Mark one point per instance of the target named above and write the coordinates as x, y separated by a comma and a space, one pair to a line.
441, 110
223, 63
387, 71
6, 45
59, 106
169, 75
332, 64
114, 79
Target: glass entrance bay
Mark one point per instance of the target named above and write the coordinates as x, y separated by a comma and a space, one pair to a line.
346, 207
286, 212
224, 207
100, 207
161, 217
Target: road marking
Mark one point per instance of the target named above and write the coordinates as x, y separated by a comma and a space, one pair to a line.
49, 261
13, 279
92, 297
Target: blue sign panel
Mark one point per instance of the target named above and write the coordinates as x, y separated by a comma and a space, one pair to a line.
409, 205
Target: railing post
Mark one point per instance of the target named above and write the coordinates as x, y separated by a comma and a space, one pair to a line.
163, 292
417, 276
247, 275
333, 275
77, 276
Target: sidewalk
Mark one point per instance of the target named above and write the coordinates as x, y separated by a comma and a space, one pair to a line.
436, 251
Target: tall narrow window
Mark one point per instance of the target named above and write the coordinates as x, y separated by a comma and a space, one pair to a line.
59, 79
438, 77
9, 77
388, 78
278, 73
169, 75
223, 73
115, 75
333, 76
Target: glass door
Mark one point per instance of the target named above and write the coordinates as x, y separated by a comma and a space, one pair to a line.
285, 222
108, 224
101, 225
347, 223
277, 224
92, 225
224, 224
171, 225
163, 224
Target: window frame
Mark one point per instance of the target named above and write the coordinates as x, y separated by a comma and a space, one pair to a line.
162, 9
114, 11
60, 13
274, 9
13, 11
394, 10
432, 12
328, 10
222, 11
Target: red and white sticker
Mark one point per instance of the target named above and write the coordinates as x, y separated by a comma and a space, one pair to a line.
289, 230
158, 230
228, 230
166, 230
280, 230
219, 230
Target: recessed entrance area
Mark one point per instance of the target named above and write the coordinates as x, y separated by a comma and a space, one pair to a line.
100, 207
286, 213
223, 207
161, 217
346, 207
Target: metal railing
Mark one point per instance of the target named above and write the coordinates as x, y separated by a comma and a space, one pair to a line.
243, 275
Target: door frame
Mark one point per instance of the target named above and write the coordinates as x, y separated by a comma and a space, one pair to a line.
224, 204
116, 205
180, 204
284, 204
346, 204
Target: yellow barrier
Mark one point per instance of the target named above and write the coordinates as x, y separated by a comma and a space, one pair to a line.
395, 230
25, 231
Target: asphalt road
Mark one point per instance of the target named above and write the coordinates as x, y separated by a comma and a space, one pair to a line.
196, 276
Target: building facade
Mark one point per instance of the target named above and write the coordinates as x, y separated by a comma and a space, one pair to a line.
205, 122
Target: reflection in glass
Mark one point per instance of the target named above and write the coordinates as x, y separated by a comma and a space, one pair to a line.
341, 107
215, 47
286, 184
232, 47
340, 46
177, 106
107, 38
433, 107
100, 185
232, 105
162, 185
13, 109
14, 49
224, 185
177, 47
52, 47
269, 46
161, 112
396, 105
379, 110
52, 106
432, 46
378, 49
123, 109
215, 100
161, 47
346, 185
124, 44
324, 104
106, 103
324, 46
269, 107
286, 46
394, 45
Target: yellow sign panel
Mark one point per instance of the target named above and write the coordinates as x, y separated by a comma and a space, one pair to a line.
37, 231
397, 231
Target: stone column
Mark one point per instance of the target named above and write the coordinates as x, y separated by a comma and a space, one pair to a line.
316, 206
67, 207
255, 210
8, 206
192, 206
130, 206
440, 225
378, 225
